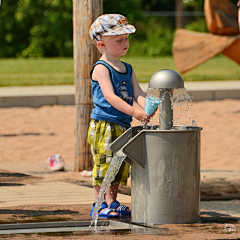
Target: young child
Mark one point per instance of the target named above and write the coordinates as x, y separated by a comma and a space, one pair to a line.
114, 85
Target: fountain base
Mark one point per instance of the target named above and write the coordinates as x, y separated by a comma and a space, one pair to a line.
165, 182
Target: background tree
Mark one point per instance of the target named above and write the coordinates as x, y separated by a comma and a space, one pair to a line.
12, 39
44, 28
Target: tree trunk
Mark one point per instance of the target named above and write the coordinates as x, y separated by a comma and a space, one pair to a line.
85, 55
179, 19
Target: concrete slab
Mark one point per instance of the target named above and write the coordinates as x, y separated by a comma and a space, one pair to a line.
36, 96
201, 95
65, 99
27, 101
222, 94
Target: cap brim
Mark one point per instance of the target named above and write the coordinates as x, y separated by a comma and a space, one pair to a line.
121, 30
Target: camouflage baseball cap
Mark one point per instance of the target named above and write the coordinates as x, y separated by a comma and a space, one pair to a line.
110, 25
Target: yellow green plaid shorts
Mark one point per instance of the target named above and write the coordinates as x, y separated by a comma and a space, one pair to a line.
100, 135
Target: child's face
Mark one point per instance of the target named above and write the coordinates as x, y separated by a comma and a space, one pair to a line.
116, 45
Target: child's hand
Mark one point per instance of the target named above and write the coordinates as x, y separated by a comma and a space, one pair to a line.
141, 115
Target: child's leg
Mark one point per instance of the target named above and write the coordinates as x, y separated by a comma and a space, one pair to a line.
108, 195
111, 194
96, 190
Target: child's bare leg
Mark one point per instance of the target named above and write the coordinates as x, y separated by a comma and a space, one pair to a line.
111, 194
96, 192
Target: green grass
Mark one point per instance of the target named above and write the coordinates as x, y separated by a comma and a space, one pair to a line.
59, 71
45, 71
218, 68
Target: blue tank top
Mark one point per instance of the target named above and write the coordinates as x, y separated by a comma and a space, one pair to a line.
122, 86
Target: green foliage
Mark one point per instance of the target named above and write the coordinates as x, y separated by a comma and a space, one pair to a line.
129, 8
153, 38
49, 27
194, 5
12, 39
198, 5
198, 25
36, 28
44, 28
156, 5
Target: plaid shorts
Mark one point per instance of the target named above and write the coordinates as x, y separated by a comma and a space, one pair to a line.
100, 135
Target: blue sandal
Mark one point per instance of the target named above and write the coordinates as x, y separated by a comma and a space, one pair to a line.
105, 211
122, 209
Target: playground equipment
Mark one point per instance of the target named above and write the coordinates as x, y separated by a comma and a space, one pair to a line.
165, 160
190, 49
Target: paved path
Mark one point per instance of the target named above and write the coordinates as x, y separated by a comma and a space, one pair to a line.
54, 192
35, 96
62, 193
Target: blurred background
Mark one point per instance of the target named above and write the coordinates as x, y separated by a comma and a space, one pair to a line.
44, 29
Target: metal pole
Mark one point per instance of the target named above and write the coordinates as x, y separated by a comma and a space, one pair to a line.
85, 55
166, 116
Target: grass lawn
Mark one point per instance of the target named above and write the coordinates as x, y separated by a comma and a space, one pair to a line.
218, 68
60, 71
45, 71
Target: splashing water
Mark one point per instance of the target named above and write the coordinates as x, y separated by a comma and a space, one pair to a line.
109, 177
182, 109
181, 103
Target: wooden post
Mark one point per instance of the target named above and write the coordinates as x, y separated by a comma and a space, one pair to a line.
85, 55
179, 19
238, 4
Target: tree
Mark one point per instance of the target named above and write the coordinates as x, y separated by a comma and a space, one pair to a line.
12, 39
40, 28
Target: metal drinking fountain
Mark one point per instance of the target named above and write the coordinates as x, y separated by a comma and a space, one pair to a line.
166, 80
165, 163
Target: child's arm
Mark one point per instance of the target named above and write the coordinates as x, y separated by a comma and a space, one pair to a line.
101, 74
138, 93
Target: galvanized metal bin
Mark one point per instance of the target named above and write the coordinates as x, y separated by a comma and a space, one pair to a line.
165, 174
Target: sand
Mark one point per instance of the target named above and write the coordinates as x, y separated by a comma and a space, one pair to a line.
29, 135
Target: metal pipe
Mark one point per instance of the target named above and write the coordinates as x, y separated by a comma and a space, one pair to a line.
166, 113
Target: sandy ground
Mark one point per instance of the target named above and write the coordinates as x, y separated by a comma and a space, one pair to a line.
29, 135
